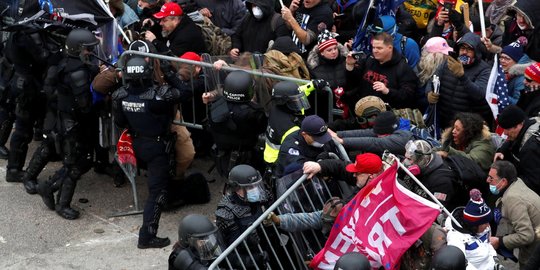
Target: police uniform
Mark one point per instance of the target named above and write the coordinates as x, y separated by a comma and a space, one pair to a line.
147, 111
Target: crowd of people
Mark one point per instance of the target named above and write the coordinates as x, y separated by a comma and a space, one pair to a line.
431, 58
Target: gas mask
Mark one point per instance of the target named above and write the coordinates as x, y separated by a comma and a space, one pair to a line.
257, 12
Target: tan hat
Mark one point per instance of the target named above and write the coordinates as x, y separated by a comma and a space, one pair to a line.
368, 106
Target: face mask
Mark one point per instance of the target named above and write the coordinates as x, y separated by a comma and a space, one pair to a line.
493, 189
465, 59
257, 12
485, 234
139, 10
254, 195
317, 144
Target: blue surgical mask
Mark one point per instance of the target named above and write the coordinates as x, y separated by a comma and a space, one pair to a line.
317, 144
253, 195
493, 189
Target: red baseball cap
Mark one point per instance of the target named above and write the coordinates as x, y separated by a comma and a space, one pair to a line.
365, 163
169, 9
191, 56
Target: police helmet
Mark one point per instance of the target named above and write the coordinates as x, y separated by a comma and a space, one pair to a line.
449, 258
79, 39
238, 87
248, 178
142, 46
137, 68
201, 236
352, 261
419, 152
287, 94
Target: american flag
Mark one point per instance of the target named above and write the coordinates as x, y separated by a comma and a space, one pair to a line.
497, 90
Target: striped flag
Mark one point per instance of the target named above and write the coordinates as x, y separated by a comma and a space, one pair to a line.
497, 89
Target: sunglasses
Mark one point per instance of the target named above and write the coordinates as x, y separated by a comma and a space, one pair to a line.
528, 80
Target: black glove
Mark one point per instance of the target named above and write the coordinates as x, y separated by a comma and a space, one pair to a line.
320, 84
456, 19
166, 68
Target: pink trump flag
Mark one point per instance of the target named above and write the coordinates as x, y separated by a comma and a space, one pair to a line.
382, 221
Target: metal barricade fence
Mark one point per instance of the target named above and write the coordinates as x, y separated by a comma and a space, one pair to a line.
213, 78
282, 250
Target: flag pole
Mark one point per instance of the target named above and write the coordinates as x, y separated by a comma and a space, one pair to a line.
396, 159
482, 19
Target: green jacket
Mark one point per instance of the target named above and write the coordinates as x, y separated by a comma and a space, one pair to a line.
481, 149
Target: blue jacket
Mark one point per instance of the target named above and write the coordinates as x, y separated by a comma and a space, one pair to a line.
515, 84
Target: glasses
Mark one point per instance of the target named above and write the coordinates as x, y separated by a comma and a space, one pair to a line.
466, 48
505, 58
528, 80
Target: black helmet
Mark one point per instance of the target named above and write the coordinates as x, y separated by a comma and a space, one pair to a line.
246, 177
199, 234
137, 69
238, 87
352, 261
78, 39
449, 258
287, 93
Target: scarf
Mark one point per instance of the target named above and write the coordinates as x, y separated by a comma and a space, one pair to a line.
497, 9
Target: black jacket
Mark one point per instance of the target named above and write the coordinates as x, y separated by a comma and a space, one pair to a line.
526, 158
253, 35
396, 74
294, 151
186, 37
366, 140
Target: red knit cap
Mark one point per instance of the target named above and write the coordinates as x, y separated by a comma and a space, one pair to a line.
191, 56
533, 72
326, 39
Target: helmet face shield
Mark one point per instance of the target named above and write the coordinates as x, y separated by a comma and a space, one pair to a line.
255, 192
298, 102
206, 246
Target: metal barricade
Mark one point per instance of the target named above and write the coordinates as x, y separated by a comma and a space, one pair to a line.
213, 78
283, 250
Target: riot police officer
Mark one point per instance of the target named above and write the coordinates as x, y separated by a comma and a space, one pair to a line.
199, 243
449, 258
240, 207
75, 121
235, 122
147, 111
352, 261
285, 116
29, 52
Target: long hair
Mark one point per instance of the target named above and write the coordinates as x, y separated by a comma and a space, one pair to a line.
428, 64
472, 125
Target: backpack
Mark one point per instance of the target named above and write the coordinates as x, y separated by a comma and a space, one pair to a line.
468, 172
195, 188
217, 42
291, 65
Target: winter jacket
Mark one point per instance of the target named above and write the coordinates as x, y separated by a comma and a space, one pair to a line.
332, 71
335, 168
253, 35
453, 97
525, 154
311, 20
531, 10
186, 37
476, 77
366, 140
478, 251
297, 222
515, 83
294, 151
480, 150
226, 14
520, 210
128, 18
396, 74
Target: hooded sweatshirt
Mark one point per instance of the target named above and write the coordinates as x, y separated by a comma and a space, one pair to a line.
254, 34
531, 11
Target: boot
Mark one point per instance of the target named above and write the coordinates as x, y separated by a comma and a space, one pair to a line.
14, 175
63, 207
5, 131
47, 188
4, 152
156, 242
36, 165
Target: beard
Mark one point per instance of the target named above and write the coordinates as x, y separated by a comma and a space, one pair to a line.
165, 33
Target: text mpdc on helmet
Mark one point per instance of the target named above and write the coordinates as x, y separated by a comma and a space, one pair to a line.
78, 40
287, 94
238, 87
201, 236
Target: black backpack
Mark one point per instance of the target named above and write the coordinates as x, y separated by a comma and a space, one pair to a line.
195, 188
